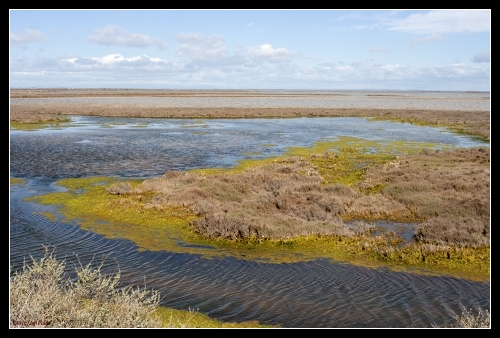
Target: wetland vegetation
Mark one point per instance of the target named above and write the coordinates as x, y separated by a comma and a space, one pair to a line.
351, 199
331, 200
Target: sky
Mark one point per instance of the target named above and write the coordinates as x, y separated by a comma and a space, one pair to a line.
435, 50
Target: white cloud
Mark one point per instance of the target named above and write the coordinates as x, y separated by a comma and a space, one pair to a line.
445, 21
266, 52
481, 57
113, 35
380, 50
418, 41
195, 46
112, 60
142, 72
27, 36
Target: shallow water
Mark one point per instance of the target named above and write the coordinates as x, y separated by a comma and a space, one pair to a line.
140, 147
308, 294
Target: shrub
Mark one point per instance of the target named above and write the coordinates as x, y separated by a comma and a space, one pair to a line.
41, 296
470, 320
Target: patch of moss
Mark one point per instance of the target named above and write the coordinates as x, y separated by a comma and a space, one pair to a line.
342, 160
49, 215
194, 319
39, 125
17, 181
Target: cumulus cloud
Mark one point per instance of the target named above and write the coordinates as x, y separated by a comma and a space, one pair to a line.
266, 52
27, 36
114, 35
481, 57
433, 37
195, 46
380, 50
445, 21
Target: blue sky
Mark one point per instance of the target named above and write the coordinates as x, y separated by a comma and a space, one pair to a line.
252, 49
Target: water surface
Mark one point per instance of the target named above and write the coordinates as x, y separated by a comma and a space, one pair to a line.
320, 293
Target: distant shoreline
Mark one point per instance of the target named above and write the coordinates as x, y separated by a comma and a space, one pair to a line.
120, 92
24, 110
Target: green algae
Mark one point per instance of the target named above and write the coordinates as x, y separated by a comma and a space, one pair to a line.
40, 125
49, 215
195, 124
342, 161
456, 128
17, 181
194, 319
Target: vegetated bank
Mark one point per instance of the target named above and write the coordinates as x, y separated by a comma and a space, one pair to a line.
349, 199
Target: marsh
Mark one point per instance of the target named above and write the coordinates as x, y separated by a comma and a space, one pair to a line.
227, 283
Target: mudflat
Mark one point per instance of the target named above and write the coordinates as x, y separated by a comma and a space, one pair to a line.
45, 105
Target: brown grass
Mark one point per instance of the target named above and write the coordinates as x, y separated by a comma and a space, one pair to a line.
447, 192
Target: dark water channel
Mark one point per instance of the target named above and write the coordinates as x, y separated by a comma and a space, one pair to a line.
308, 294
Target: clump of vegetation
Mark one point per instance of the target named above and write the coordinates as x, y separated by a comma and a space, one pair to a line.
448, 190
42, 295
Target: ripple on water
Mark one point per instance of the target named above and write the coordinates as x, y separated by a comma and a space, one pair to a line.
307, 294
